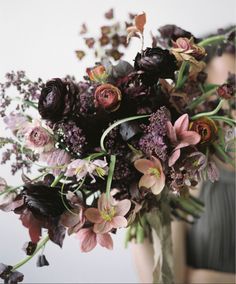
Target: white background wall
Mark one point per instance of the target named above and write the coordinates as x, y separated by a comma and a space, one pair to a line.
40, 37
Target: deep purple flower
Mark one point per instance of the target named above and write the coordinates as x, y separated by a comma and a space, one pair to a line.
57, 99
155, 63
153, 141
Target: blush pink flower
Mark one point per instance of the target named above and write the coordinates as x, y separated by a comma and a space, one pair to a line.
153, 177
39, 138
180, 137
89, 239
109, 214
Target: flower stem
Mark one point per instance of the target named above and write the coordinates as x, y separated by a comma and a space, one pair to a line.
40, 245
201, 98
228, 120
210, 112
180, 75
110, 174
212, 40
55, 182
116, 124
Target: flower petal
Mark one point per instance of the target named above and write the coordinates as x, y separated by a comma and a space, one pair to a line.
105, 240
88, 240
171, 132
181, 124
157, 163
142, 165
147, 181
119, 222
93, 215
190, 137
103, 202
102, 228
159, 185
174, 157
122, 208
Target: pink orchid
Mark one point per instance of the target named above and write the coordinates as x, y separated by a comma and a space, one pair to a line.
153, 176
89, 239
181, 137
109, 214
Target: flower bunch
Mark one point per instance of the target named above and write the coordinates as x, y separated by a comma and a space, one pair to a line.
110, 149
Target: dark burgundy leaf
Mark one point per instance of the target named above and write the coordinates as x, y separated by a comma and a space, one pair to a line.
129, 130
42, 261
57, 234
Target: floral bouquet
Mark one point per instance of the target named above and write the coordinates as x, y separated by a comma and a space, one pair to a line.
120, 149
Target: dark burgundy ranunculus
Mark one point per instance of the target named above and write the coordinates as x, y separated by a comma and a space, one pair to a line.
107, 97
172, 32
57, 99
155, 63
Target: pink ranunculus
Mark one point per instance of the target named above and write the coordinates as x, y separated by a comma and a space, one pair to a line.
153, 176
109, 214
39, 138
89, 239
183, 43
180, 137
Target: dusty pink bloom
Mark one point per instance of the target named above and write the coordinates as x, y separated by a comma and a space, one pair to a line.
153, 176
39, 138
109, 214
89, 239
183, 43
80, 168
57, 159
16, 123
181, 137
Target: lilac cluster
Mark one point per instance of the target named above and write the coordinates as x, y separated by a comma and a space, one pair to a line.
72, 136
153, 140
29, 90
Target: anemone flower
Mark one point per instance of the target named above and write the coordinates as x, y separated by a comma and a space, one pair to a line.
89, 239
153, 176
109, 214
180, 137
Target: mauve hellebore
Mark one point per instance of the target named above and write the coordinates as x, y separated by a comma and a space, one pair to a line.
57, 99
155, 63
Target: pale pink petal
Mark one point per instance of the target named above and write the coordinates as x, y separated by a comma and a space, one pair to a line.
103, 202
181, 124
102, 228
159, 185
87, 239
143, 165
190, 137
147, 181
119, 222
157, 163
93, 215
105, 240
122, 208
171, 132
174, 157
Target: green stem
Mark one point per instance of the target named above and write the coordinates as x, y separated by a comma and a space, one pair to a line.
95, 155
180, 75
212, 40
208, 113
55, 182
201, 99
228, 120
110, 174
40, 245
116, 124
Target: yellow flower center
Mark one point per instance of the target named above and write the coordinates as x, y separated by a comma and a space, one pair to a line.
100, 172
107, 214
154, 172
